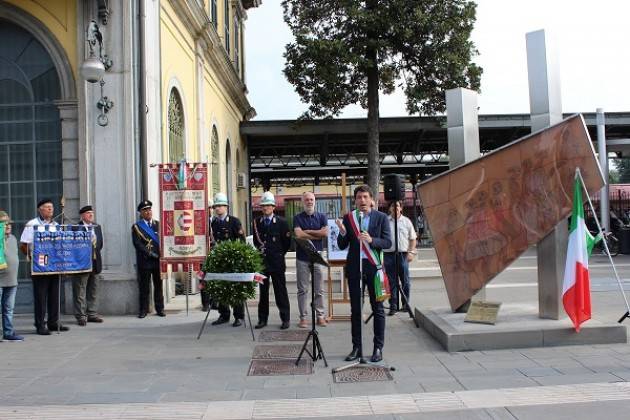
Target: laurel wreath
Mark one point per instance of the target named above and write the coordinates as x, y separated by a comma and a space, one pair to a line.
232, 257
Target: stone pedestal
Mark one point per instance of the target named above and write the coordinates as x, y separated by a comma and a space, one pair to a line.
517, 326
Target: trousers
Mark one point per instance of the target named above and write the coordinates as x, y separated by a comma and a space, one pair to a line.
46, 297
356, 294
145, 277
279, 282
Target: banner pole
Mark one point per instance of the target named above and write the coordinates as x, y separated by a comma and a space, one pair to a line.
62, 204
599, 228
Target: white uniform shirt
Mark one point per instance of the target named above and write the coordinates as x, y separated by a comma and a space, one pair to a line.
31, 225
406, 233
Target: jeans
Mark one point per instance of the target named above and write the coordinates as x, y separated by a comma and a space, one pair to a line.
7, 299
403, 273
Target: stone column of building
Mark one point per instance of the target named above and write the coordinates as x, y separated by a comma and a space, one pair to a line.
112, 158
462, 118
546, 109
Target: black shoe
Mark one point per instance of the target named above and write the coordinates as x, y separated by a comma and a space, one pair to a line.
261, 324
220, 321
161, 313
284, 325
95, 318
43, 331
237, 323
354, 354
142, 315
81, 322
377, 355
61, 328
392, 312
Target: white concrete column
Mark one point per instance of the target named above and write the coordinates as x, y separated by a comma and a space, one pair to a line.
546, 109
604, 204
462, 118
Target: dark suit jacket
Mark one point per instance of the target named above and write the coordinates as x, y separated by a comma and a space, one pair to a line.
147, 251
378, 230
97, 261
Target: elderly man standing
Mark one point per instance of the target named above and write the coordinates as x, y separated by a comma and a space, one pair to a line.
146, 239
406, 253
310, 225
45, 286
85, 285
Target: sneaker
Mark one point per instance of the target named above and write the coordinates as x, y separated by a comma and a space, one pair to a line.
81, 322
95, 318
303, 323
321, 321
14, 337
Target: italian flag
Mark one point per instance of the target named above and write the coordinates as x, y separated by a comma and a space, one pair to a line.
576, 288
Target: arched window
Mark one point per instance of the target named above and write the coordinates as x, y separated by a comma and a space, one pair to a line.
30, 129
228, 171
214, 162
213, 13
176, 128
237, 46
226, 25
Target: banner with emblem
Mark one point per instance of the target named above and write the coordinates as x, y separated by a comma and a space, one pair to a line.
61, 250
183, 202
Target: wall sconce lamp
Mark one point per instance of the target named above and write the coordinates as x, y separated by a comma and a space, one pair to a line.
93, 69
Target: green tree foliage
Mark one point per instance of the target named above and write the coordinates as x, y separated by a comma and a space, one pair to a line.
347, 51
622, 170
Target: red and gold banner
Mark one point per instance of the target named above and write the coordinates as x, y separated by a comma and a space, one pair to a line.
184, 231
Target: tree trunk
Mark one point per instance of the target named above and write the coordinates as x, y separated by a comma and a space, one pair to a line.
374, 165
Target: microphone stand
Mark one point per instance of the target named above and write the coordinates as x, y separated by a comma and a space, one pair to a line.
62, 204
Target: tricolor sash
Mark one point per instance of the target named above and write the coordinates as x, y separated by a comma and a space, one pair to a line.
148, 231
381, 282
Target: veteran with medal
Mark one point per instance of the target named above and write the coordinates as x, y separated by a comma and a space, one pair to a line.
146, 241
226, 227
273, 238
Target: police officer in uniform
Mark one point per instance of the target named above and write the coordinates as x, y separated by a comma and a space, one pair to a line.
146, 240
273, 238
227, 228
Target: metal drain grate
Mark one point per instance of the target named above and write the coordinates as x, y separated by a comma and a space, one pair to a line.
289, 335
266, 367
363, 374
277, 351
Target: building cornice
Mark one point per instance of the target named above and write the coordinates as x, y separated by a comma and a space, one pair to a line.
201, 28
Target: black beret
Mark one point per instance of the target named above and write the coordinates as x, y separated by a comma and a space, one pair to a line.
85, 209
44, 201
144, 204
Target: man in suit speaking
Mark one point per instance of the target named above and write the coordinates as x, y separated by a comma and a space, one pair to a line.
367, 233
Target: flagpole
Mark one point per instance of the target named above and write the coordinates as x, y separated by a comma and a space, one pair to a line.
599, 228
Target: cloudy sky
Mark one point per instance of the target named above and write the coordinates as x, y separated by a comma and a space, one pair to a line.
592, 43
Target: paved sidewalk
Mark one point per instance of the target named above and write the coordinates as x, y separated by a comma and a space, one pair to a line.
155, 368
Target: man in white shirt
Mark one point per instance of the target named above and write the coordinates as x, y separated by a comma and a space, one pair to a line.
406, 253
45, 286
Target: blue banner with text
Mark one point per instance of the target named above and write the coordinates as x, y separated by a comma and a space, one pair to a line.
62, 250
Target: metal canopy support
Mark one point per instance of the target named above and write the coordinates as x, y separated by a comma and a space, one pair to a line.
546, 109
463, 138
604, 204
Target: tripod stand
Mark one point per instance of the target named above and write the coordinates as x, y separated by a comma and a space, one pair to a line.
313, 258
398, 278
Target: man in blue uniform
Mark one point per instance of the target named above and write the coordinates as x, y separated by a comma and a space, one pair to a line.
146, 239
273, 239
227, 228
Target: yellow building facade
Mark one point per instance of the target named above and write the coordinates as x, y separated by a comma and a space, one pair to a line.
202, 79
173, 87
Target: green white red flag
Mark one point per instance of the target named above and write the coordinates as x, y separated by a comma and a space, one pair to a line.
576, 288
